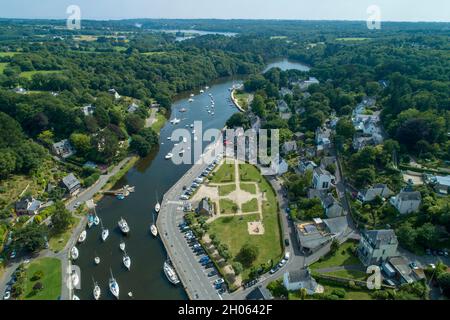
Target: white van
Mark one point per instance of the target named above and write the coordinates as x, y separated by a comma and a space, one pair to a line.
287, 255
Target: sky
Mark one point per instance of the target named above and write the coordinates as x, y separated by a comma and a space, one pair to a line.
391, 10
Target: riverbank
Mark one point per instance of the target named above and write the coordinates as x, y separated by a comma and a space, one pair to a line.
235, 100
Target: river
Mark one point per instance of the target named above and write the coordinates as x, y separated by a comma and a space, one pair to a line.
286, 64
151, 176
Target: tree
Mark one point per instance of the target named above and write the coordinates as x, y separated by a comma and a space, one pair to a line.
238, 120
258, 105
31, 238
364, 177
334, 247
102, 116
248, 254
81, 142
62, 218
237, 267
345, 128
444, 283
140, 145
7, 163
134, 123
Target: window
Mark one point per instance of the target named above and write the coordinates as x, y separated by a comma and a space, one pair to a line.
325, 185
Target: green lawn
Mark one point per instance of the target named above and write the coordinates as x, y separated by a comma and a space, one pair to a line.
341, 258
227, 206
29, 74
349, 274
160, 121
226, 190
249, 187
250, 206
351, 294
224, 174
233, 231
3, 65
58, 242
51, 279
248, 172
8, 54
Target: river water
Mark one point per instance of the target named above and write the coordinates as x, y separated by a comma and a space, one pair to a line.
151, 176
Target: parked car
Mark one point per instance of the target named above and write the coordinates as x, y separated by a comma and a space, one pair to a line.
184, 197
13, 254
282, 263
287, 255
273, 270
209, 265
219, 281
7, 295
222, 290
286, 242
212, 273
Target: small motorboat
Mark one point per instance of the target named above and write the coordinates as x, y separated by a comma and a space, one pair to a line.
206, 88
192, 95
75, 279
74, 253
126, 261
97, 291
75, 298
154, 230
170, 273
122, 246
120, 196
157, 207
130, 294
123, 225
169, 156
97, 260
96, 220
82, 236
192, 125
105, 234
202, 91
114, 286
183, 110
191, 100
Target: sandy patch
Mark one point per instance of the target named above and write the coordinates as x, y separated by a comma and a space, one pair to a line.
255, 228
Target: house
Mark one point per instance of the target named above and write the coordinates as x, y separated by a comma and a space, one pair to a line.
323, 136
322, 179
360, 142
301, 279
114, 93
305, 165
132, 108
286, 115
326, 162
299, 136
369, 194
332, 207
260, 293
407, 201
304, 85
63, 149
282, 106
204, 207
88, 110
376, 246
400, 269
312, 236
442, 184
71, 184
289, 146
28, 205
284, 91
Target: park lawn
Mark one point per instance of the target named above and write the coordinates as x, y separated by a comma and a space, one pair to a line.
248, 172
227, 206
59, 241
226, 189
341, 258
249, 187
224, 174
250, 206
51, 281
233, 231
242, 99
351, 294
3, 65
29, 74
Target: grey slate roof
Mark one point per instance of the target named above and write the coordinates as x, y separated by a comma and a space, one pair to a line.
378, 238
70, 181
410, 196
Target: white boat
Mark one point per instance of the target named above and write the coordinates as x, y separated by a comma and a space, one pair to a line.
192, 125
175, 121
97, 260
191, 100
97, 291
169, 138
192, 95
105, 234
114, 286
202, 91
90, 223
126, 261
75, 298
122, 246
183, 110
154, 230
193, 131
96, 220
206, 88
82, 236
212, 113
74, 253
123, 225
157, 207
75, 279
169, 156
170, 273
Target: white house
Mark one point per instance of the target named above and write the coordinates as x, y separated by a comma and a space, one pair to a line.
114, 93
306, 165
63, 149
376, 246
407, 201
322, 179
301, 279
88, 110
132, 108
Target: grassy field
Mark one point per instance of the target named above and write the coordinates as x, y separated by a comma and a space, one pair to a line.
233, 231
8, 54
250, 206
348, 274
58, 242
341, 258
224, 174
248, 172
242, 99
160, 121
249, 187
227, 206
51, 279
226, 190
3, 65
29, 74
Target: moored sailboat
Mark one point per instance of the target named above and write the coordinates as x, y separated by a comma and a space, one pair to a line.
114, 286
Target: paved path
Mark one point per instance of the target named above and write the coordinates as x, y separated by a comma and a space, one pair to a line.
151, 119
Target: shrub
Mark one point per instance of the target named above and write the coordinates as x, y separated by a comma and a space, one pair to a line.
37, 275
339, 292
38, 286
